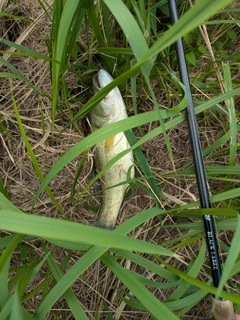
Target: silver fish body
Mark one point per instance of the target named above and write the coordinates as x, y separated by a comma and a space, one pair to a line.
110, 109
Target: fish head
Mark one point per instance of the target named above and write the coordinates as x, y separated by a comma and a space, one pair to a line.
111, 106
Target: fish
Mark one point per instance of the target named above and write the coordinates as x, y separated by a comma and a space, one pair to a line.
111, 109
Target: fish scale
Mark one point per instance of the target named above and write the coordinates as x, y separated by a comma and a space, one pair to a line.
111, 109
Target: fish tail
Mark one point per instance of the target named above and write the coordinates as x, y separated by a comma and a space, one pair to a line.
104, 224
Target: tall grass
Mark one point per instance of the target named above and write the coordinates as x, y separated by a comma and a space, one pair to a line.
144, 51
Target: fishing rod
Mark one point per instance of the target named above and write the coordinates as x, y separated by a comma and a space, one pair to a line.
198, 159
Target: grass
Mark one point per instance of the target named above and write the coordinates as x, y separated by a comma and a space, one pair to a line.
54, 264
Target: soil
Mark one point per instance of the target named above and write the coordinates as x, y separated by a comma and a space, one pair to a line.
21, 181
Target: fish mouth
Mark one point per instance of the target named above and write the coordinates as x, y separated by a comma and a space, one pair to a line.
101, 79
96, 83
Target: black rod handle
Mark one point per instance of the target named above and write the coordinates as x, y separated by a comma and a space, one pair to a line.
197, 156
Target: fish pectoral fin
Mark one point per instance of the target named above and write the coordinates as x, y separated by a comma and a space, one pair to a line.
112, 141
109, 143
129, 191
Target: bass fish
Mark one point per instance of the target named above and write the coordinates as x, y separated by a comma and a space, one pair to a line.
111, 109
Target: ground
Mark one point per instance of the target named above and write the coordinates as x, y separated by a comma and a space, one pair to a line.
21, 182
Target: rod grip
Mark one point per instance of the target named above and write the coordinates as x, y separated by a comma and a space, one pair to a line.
223, 310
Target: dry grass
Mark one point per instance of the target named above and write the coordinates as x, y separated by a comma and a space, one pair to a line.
97, 283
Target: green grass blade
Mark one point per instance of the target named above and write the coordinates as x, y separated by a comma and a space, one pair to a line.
140, 48
182, 238
215, 145
87, 259
63, 20
210, 170
233, 21
106, 23
132, 31
31, 154
94, 138
232, 120
232, 256
186, 302
4, 314
77, 59
202, 10
154, 284
232, 297
193, 272
92, 11
5, 14
50, 228
4, 276
79, 170
152, 304
223, 224
147, 264
69, 295
144, 165
65, 282
3, 190
4, 268
9, 250
16, 312
29, 52
120, 126
104, 91
4, 241
25, 276
17, 75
